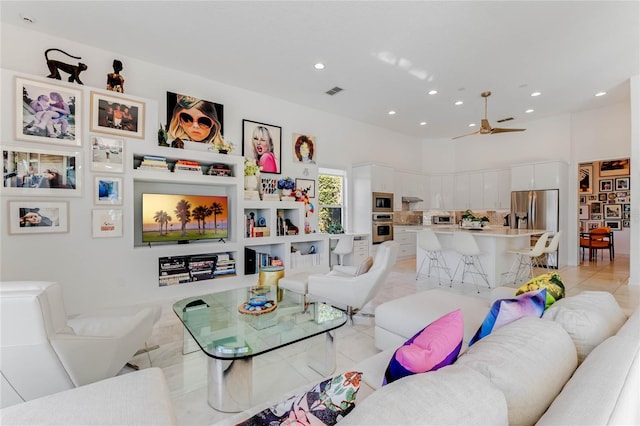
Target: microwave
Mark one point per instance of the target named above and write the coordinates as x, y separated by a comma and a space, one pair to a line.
442, 220
382, 202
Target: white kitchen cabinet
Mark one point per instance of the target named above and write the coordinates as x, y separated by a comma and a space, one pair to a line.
382, 178
406, 239
548, 175
409, 184
441, 192
504, 189
496, 189
476, 193
461, 191
468, 193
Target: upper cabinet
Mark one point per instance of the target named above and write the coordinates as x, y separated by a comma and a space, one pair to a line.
549, 175
382, 178
413, 185
496, 189
441, 192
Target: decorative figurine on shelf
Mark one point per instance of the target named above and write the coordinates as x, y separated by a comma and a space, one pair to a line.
162, 136
115, 81
291, 228
56, 66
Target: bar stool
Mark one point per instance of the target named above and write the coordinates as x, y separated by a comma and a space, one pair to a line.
344, 246
428, 241
552, 248
465, 244
527, 258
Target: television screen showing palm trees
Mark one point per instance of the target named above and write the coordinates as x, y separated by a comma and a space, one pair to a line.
172, 217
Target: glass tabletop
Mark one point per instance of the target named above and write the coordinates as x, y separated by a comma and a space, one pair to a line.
223, 332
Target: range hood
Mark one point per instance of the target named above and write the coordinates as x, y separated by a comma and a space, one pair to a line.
411, 199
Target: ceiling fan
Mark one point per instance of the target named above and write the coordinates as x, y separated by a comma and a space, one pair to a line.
485, 127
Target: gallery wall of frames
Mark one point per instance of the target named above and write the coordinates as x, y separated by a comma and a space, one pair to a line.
605, 195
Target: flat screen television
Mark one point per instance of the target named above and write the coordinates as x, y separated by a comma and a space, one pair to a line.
184, 218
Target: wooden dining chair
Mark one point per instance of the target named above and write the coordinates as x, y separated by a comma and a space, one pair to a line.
597, 239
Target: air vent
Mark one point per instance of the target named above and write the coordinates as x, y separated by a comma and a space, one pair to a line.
505, 119
333, 91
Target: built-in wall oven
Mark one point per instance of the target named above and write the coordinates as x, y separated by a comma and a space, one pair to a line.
382, 224
382, 202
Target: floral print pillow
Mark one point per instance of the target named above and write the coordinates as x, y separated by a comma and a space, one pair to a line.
326, 403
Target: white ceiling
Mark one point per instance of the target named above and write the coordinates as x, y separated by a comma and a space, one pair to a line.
386, 55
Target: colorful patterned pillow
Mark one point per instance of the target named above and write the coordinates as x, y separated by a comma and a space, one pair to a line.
504, 311
433, 347
551, 281
325, 403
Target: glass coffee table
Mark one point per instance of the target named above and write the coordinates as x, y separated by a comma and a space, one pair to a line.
232, 339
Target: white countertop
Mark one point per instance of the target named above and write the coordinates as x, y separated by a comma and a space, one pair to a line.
489, 231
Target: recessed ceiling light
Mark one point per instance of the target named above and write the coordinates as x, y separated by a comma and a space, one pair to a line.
423, 123
432, 92
392, 112
536, 94
529, 111
601, 93
319, 66
472, 124
459, 102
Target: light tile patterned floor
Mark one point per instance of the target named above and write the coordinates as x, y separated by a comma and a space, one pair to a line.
279, 371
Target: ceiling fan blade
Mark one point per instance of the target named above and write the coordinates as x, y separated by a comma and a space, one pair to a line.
500, 130
468, 134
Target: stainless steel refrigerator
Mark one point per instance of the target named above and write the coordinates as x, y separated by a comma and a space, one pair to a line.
536, 210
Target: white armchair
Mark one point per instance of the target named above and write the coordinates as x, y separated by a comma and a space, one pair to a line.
42, 351
353, 292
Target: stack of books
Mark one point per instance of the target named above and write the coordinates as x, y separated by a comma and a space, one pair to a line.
225, 265
185, 166
152, 162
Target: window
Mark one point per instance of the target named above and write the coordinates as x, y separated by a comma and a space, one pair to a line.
331, 196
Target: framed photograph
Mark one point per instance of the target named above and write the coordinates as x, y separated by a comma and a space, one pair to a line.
107, 154
626, 215
593, 197
309, 185
194, 123
117, 116
38, 217
611, 196
304, 149
602, 197
626, 207
586, 178
584, 213
592, 224
615, 225
108, 190
106, 223
262, 142
612, 211
596, 208
614, 167
606, 185
583, 199
596, 216
48, 113
626, 224
622, 184
41, 172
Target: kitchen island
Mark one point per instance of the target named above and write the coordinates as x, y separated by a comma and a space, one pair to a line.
495, 242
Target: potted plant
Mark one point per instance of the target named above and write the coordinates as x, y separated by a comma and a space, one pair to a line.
286, 185
251, 173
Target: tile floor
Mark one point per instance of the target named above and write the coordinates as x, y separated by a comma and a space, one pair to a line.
285, 369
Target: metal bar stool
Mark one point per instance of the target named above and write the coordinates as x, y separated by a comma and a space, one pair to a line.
428, 241
527, 259
465, 244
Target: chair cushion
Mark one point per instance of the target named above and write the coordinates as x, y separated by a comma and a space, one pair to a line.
550, 281
435, 346
364, 267
529, 360
505, 311
589, 317
325, 403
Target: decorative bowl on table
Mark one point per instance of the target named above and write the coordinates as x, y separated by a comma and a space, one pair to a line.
257, 305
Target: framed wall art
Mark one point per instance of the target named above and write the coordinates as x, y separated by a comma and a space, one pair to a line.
622, 184
38, 217
606, 185
41, 172
583, 199
586, 178
262, 142
584, 213
108, 190
626, 224
106, 223
596, 216
602, 197
194, 123
614, 167
308, 184
107, 154
596, 208
612, 211
614, 225
304, 149
592, 224
117, 116
48, 113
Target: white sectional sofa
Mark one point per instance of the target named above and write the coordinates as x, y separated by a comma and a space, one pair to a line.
578, 364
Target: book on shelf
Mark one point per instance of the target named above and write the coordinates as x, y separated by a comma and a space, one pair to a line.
152, 162
187, 166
